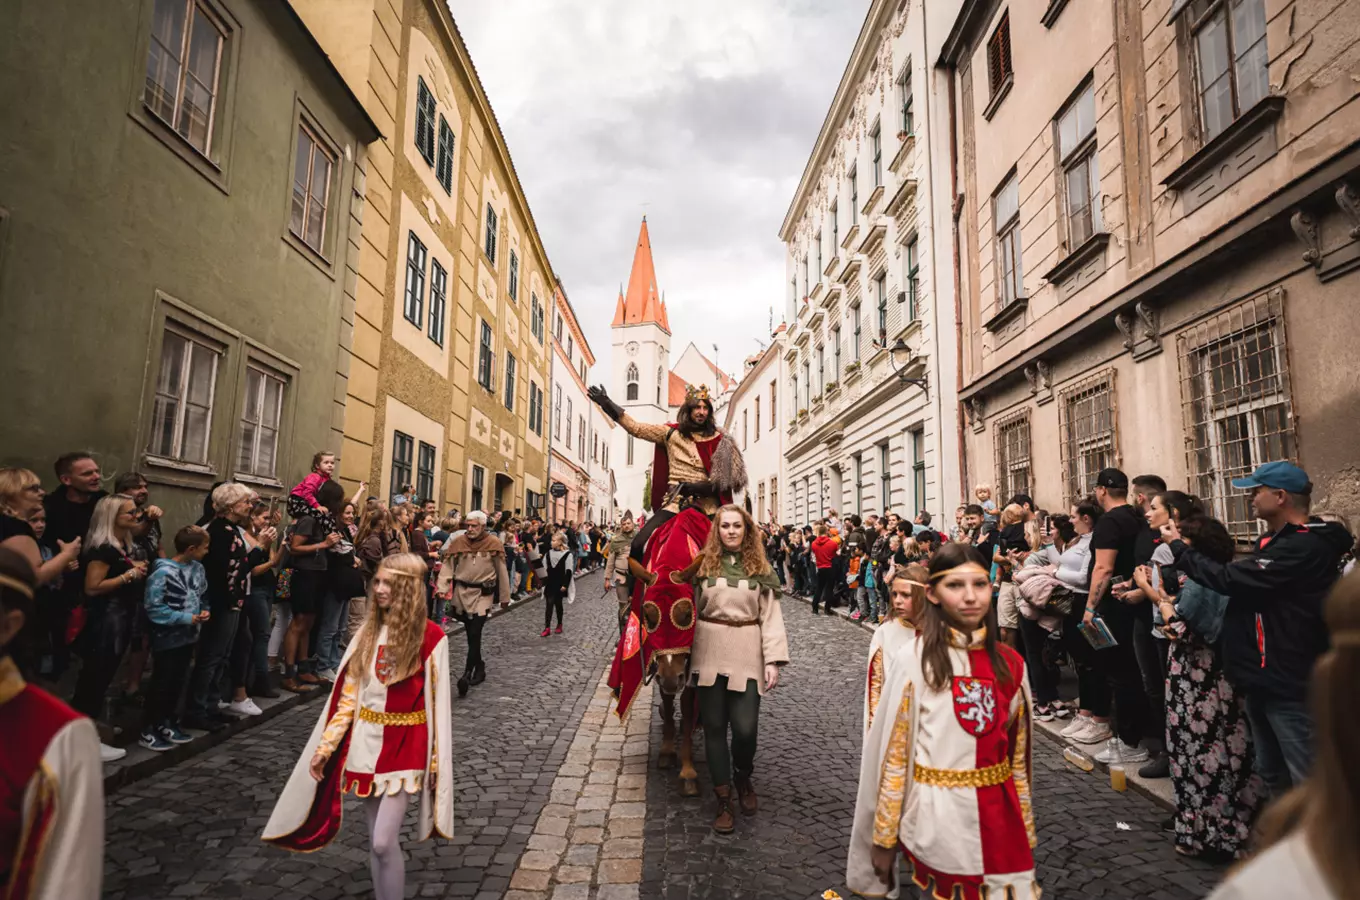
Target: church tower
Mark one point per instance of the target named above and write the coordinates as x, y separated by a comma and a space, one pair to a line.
641, 377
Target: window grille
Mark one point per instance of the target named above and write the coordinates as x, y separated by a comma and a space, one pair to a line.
443, 168
1237, 404
424, 120
1088, 424
1012, 456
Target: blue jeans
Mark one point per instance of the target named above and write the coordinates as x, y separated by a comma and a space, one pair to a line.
330, 640
1282, 731
866, 600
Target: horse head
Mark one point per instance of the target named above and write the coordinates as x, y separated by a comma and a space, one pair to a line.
670, 670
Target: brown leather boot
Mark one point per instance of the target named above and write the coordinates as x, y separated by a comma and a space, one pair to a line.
746, 795
726, 822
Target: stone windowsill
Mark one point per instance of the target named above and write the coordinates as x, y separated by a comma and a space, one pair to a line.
908, 143
850, 236
1240, 132
868, 209
1001, 94
1010, 311
831, 266
1087, 250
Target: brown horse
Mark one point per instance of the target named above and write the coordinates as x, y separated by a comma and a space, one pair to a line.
671, 672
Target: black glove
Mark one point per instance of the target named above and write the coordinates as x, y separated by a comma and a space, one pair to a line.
598, 394
696, 489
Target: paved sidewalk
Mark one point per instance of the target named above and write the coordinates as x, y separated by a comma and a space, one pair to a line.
590, 833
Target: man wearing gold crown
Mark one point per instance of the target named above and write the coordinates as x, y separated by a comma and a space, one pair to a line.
695, 470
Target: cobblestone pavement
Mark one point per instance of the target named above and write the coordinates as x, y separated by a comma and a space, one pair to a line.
806, 773
193, 830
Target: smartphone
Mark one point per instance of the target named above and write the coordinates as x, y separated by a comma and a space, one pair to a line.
1171, 579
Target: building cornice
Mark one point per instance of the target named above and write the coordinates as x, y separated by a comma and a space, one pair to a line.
973, 15
841, 106
573, 324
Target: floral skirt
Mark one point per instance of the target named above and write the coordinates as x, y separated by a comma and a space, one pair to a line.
1209, 744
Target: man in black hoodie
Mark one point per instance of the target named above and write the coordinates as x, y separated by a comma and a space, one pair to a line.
1273, 629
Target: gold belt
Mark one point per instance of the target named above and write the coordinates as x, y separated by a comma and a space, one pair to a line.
387, 718
963, 778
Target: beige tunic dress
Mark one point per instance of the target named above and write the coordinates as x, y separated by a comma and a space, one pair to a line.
740, 630
468, 565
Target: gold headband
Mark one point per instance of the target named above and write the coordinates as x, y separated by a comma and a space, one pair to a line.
16, 584
965, 567
909, 581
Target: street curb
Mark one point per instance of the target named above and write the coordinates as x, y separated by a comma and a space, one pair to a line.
144, 763
1134, 782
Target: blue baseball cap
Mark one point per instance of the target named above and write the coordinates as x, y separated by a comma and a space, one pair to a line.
1280, 475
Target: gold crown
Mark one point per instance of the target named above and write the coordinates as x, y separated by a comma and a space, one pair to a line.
695, 394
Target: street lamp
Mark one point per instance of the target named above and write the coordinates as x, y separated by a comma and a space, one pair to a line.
899, 355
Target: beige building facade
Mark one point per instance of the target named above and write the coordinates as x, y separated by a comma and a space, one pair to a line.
450, 367
1158, 241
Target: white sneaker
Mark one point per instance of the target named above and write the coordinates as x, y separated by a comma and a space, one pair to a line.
1093, 733
1117, 752
1075, 725
244, 707
110, 754
222, 704
328, 675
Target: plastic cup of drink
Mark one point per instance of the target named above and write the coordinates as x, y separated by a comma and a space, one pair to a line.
1118, 779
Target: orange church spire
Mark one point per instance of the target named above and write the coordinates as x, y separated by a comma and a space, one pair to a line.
643, 303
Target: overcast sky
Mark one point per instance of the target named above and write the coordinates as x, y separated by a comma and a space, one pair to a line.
699, 114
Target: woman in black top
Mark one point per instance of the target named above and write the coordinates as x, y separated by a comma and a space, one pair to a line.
113, 588
250, 653
307, 546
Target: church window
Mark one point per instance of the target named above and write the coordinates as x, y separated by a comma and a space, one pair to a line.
630, 451
632, 382
660, 377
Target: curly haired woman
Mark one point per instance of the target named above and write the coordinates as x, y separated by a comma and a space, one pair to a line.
739, 647
385, 734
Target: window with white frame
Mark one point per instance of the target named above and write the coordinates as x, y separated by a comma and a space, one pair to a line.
835, 228
756, 407
631, 391
836, 353
913, 282
745, 429
1088, 433
629, 453
760, 502
1010, 276
876, 153
403, 458
854, 333
536, 317
513, 286
424, 120
1012, 455
821, 369
807, 381
312, 167
774, 498
486, 357
557, 411
414, 305
425, 471
819, 257
581, 437
568, 441
1228, 40
1076, 134
906, 121
439, 293
884, 477
857, 465
258, 451
660, 379
181, 415
773, 405
881, 302
183, 68
854, 195
443, 167
1236, 398
917, 441
492, 226
509, 381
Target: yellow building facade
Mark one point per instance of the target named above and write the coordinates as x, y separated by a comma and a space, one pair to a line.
449, 368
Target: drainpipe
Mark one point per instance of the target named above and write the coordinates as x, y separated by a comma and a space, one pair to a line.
956, 210
935, 331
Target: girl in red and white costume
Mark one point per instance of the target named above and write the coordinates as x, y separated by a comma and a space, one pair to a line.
945, 775
385, 734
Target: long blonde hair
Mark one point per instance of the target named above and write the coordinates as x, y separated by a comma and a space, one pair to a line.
1327, 805
104, 525
708, 564
404, 618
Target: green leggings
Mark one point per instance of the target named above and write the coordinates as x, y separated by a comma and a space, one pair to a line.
718, 708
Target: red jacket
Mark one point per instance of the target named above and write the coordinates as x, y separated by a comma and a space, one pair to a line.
824, 550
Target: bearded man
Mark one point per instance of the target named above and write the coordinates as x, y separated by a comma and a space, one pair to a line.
473, 576
694, 460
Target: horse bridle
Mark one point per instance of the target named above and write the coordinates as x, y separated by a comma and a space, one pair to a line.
650, 674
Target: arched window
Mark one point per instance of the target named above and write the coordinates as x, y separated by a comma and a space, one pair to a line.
632, 382
660, 377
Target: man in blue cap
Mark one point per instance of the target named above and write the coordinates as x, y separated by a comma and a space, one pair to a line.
1273, 629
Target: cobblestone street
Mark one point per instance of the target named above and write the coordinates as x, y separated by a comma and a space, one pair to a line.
550, 795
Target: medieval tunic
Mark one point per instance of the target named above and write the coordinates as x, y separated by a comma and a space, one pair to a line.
474, 574
740, 628
51, 796
379, 737
945, 775
683, 460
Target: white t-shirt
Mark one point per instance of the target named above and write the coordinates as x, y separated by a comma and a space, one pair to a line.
1287, 869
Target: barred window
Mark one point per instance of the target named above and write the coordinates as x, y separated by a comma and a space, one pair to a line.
1236, 398
1088, 424
1012, 455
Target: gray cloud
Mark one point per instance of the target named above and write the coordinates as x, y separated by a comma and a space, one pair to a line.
705, 112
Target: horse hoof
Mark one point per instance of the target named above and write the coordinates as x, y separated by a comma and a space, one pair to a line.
689, 787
